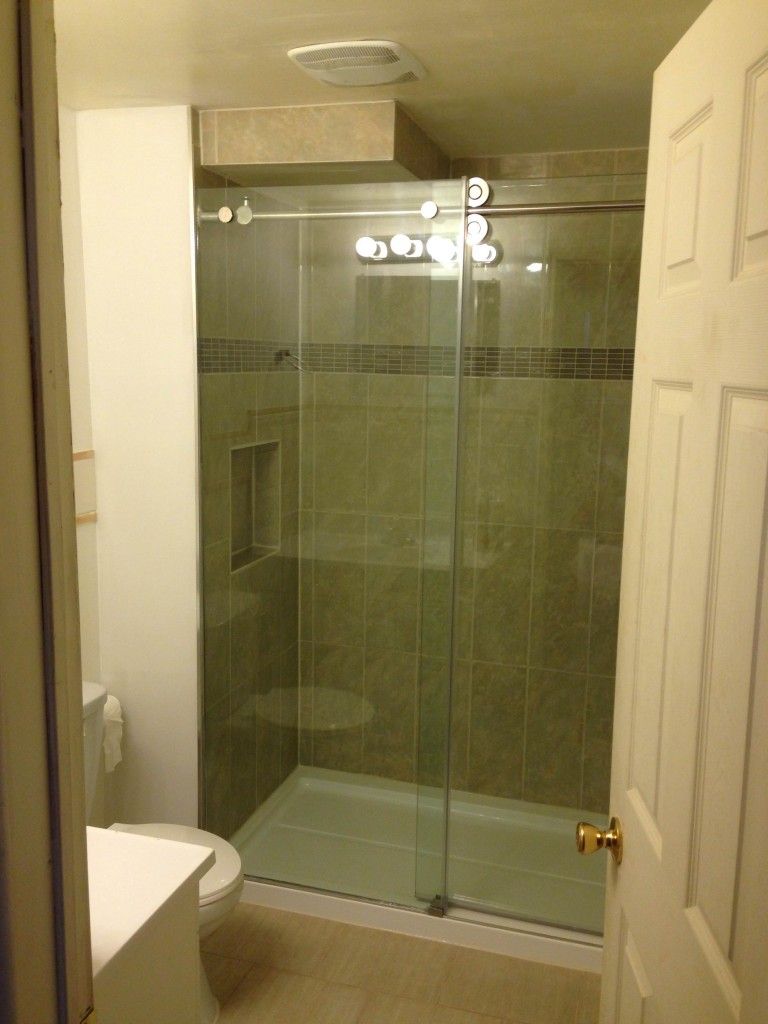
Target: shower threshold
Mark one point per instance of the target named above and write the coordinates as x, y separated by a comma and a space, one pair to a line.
356, 835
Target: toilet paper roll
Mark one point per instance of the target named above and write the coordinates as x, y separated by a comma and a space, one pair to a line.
113, 733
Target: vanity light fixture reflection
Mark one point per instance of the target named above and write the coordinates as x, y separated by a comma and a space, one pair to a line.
368, 248
403, 245
535, 268
484, 253
441, 249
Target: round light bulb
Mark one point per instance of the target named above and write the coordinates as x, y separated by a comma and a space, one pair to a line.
535, 268
400, 245
441, 249
366, 247
484, 253
429, 209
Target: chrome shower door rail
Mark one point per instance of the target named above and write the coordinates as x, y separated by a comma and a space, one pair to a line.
513, 210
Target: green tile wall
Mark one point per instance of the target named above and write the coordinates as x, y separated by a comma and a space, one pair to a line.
543, 479
573, 163
250, 617
543, 483
354, 601
362, 515
540, 589
538, 585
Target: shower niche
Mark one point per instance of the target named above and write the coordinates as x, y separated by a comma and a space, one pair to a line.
254, 502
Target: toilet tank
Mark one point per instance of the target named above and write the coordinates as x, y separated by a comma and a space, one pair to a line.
94, 698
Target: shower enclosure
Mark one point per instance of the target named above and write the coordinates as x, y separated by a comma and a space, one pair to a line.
413, 457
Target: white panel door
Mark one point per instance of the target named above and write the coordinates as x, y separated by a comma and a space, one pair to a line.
687, 915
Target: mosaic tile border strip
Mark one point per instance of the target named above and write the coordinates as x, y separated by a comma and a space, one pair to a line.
237, 355
227, 355
557, 363
438, 360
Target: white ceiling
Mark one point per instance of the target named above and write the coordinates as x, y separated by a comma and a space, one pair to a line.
503, 75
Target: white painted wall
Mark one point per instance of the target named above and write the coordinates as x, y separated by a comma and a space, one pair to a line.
80, 390
136, 210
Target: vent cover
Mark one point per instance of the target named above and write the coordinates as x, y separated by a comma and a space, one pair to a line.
365, 62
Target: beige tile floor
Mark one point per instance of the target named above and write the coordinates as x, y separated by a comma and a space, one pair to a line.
271, 967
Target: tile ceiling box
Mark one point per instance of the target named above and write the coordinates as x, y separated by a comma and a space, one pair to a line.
328, 144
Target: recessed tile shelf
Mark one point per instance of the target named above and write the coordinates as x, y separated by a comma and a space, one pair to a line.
255, 502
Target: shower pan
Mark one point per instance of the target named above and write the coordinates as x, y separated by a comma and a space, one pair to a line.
413, 454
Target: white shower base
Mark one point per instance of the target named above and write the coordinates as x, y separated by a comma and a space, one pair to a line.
356, 835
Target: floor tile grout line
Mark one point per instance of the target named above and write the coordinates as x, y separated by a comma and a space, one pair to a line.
322, 971
254, 965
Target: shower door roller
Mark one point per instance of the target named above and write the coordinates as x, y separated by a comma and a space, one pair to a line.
478, 192
477, 228
590, 839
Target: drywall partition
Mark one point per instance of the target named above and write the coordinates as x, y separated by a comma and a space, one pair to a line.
79, 395
135, 168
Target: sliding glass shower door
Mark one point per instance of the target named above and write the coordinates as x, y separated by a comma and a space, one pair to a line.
413, 458
545, 405
329, 359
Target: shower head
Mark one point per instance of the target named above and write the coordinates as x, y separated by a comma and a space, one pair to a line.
284, 355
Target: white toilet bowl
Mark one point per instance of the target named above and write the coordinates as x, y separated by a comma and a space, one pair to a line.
220, 890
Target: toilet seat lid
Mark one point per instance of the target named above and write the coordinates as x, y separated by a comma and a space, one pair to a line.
225, 875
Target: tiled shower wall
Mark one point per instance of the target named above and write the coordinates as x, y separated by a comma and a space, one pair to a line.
542, 516
250, 690
542, 510
574, 163
363, 461
250, 615
543, 481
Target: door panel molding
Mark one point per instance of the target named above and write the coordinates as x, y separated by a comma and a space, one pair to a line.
686, 171
634, 996
751, 250
736, 564
670, 401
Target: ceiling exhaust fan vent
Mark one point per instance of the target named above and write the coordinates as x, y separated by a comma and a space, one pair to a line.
364, 62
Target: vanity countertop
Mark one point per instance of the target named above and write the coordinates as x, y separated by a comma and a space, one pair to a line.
131, 878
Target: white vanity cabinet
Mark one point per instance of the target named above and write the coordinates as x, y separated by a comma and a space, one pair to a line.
144, 927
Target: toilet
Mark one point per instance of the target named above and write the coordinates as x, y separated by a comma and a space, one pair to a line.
220, 887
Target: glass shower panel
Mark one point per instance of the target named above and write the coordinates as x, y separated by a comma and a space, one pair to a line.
247, 281
546, 397
438, 578
328, 401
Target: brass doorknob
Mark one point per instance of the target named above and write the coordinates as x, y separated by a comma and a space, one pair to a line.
590, 839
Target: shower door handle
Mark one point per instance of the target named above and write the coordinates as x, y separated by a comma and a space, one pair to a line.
590, 839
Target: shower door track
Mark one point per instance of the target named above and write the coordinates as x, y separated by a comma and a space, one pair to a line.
514, 210
462, 925
529, 923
